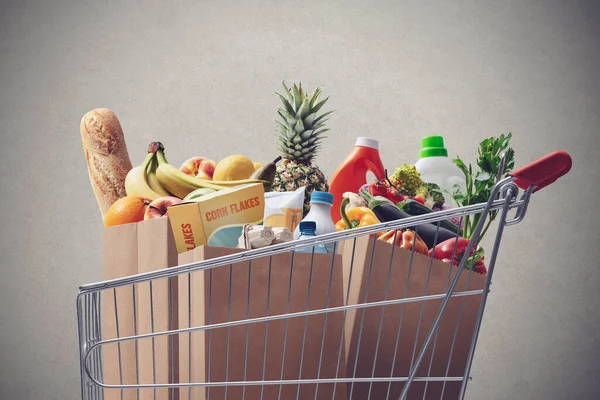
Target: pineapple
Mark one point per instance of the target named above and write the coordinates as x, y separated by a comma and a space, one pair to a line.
300, 134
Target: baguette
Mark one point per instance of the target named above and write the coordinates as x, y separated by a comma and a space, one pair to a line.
106, 156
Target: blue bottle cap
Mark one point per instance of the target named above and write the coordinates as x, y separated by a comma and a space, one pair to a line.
324, 197
308, 226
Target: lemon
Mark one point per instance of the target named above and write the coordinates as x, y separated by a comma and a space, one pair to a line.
233, 168
257, 164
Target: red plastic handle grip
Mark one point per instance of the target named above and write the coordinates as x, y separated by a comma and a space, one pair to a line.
544, 171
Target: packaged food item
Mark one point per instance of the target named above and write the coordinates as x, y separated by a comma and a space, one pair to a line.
255, 236
284, 209
282, 235
217, 219
352, 172
320, 213
307, 230
435, 166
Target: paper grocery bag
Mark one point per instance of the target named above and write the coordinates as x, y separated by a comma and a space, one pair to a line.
261, 351
119, 259
157, 309
368, 262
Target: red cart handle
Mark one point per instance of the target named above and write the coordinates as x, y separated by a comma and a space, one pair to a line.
544, 171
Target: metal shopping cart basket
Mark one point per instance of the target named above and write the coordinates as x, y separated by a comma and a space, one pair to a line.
367, 321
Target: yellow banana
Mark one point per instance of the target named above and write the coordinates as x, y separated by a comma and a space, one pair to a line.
178, 182
153, 180
136, 181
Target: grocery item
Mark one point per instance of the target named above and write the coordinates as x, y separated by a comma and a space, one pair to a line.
352, 172
266, 172
479, 183
405, 239
198, 193
257, 164
217, 218
255, 236
177, 182
282, 235
435, 166
200, 167
158, 207
284, 209
320, 213
126, 210
386, 211
354, 200
431, 194
301, 130
136, 182
233, 168
355, 217
413, 207
453, 250
106, 156
153, 179
307, 231
407, 179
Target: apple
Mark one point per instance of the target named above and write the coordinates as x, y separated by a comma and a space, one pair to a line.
158, 207
200, 167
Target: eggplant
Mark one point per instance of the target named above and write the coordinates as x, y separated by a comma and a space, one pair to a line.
413, 208
387, 211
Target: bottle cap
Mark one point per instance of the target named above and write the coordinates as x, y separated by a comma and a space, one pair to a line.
308, 226
367, 142
324, 197
433, 146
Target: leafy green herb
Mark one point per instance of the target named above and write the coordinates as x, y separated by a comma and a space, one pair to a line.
479, 183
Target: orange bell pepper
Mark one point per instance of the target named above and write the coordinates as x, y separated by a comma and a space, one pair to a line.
355, 217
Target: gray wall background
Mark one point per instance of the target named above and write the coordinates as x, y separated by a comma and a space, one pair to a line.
200, 77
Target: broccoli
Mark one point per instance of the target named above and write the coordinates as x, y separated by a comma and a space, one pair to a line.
431, 194
407, 179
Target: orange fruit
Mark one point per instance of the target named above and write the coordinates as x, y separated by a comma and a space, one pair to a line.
126, 210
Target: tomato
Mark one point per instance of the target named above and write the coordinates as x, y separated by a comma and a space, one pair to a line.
378, 189
420, 199
394, 196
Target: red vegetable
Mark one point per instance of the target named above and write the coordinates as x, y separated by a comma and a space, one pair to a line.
419, 198
445, 251
378, 189
394, 195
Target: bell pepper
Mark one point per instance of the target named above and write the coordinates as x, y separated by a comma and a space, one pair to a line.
405, 239
446, 253
355, 217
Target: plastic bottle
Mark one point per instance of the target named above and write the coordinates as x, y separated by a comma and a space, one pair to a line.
307, 230
352, 173
320, 213
435, 166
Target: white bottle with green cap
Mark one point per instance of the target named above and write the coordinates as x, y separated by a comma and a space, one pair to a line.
435, 166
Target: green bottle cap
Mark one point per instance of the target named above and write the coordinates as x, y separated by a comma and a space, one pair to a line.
433, 146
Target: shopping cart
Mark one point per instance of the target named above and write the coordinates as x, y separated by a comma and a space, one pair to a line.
397, 337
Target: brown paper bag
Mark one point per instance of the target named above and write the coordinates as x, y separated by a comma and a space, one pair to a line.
119, 259
370, 268
238, 353
157, 311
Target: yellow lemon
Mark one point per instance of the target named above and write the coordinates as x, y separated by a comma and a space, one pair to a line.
257, 164
233, 168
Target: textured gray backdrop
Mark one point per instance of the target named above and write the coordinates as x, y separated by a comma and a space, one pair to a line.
200, 78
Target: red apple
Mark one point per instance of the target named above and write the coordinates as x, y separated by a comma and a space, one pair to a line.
199, 167
158, 207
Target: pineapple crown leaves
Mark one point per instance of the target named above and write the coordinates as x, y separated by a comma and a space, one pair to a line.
301, 129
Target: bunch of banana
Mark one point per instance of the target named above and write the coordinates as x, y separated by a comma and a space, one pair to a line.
141, 181
155, 177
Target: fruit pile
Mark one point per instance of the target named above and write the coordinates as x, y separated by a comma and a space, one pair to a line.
127, 194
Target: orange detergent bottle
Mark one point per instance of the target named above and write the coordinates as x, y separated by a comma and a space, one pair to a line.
352, 173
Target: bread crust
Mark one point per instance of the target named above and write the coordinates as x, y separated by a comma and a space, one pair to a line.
106, 156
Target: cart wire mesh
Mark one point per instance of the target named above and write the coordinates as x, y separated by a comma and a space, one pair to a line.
273, 323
